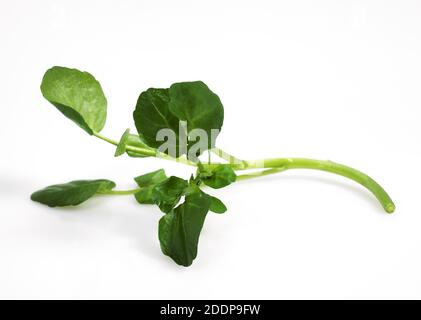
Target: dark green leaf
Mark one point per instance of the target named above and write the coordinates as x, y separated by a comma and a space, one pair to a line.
121, 147
180, 229
71, 193
217, 205
152, 114
168, 193
195, 103
78, 95
219, 177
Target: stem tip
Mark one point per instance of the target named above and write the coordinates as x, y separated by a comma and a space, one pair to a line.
390, 208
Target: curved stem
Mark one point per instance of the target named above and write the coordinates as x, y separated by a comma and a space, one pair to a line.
259, 174
328, 166
276, 165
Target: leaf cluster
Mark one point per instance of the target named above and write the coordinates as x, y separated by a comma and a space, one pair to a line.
79, 97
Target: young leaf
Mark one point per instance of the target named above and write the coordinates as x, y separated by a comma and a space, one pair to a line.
78, 95
148, 182
71, 193
180, 229
151, 178
121, 147
145, 196
195, 103
168, 193
134, 140
217, 206
219, 177
152, 114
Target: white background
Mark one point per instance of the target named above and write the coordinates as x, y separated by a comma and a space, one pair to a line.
336, 80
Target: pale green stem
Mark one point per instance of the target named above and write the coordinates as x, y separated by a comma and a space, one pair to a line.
180, 159
120, 192
328, 166
226, 156
100, 136
259, 174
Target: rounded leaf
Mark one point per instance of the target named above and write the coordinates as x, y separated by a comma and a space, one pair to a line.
78, 95
152, 114
196, 104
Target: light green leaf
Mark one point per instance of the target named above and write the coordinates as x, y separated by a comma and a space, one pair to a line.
121, 147
135, 141
148, 182
145, 196
196, 104
78, 95
151, 178
71, 193
180, 229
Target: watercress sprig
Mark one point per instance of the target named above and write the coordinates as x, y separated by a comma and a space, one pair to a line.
195, 115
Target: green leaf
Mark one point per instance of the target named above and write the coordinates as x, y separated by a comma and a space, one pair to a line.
219, 177
121, 147
190, 102
135, 141
152, 114
196, 104
168, 193
71, 193
217, 205
148, 182
160, 190
151, 178
145, 196
78, 95
180, 229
